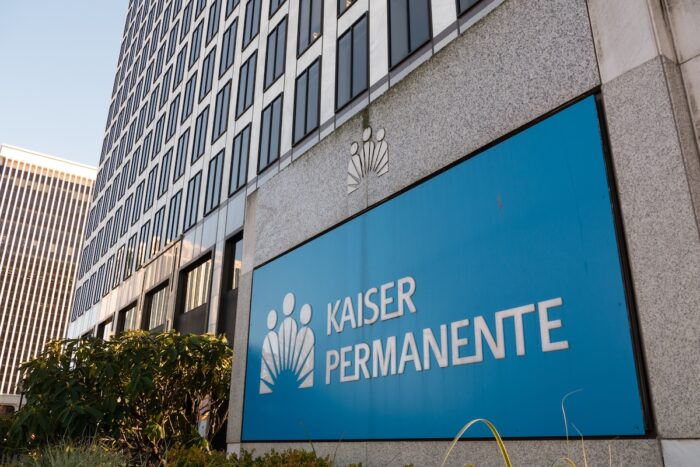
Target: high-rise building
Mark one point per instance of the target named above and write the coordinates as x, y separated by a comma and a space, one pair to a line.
407, 214
44, 202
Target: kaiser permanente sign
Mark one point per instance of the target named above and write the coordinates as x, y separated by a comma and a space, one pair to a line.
488, 291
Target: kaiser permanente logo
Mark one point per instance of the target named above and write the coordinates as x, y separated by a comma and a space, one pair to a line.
461, 342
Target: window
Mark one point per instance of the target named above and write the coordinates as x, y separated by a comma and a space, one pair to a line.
158, 137
252, 21
117, 222
172, 230
138, 199
409, 27
223, 99
207, 74
213, 24
144, 152
200, 134
196, 44
165, 173
197, 286
126, 319
230, 5
130, 257
352, 68
143, 251
200, 7
172, 40
343, 5
213, 194
165, 93
464, 5
239, 161
172, 118
127, 213
246, 85
182, 145
228, 48
156, 307
310, 23
186, 20
276, 50
153, 105
192, 202
188, 103
151, 188
270, 134
180, 67
157, 230
119, 266
275, 5
306, 104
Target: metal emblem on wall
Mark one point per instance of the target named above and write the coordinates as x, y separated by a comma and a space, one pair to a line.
370, 156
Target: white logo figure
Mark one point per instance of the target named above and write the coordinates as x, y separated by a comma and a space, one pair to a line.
372, 157
288, 348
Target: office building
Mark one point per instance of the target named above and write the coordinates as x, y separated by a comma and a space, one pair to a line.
407, 214
43, 205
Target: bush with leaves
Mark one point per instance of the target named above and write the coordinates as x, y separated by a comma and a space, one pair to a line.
197, 457
139, 392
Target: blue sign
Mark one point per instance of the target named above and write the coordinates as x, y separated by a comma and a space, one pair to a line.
491, 291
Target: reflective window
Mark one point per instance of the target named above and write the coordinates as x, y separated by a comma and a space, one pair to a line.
246, 85
156, 242
276, 51
207, 74
310, 23
172, 118
151, 188
200, 134
188, 103
157, 306
196, 44
213, 23
343, 5
353, 70
213, 193
230, 5
228, 48
223, 100
165, 173
464, 5
307, 101
182, 144
409, 25
172, 231
252, 21
192, 202
239, 161
275, 5
271, 124
197, 286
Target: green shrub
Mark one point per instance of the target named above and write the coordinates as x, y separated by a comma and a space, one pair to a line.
138, 392
197, 457
66, 455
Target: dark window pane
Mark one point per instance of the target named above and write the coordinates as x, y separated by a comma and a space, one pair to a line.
398, 25
419, 23
344, 84
465, 5
359, 58
313, 93
265, 138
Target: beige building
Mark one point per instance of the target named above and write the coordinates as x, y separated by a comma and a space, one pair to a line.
43, 204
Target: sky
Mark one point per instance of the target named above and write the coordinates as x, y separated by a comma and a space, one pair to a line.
57, 65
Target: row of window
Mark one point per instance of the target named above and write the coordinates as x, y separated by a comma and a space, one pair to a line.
409, 23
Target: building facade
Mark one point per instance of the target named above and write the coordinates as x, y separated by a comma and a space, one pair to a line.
43, 205
407, 214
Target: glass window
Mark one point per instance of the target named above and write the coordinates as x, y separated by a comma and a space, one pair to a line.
157, 306
188, 103
158, 137
343, 5
143, 250
127, 213
172, 118
464, 5
235, 271
352, 71
172, 40
197, 286
306, 105
182, 144
230, 5
213, 193
213, 24
157, 230
153, 105
271, 124
409, 26
192, 202
165, 93
239, 161
223, 99
196, 42
200, 134
165, 173
207, 74
180, 66
310, 23
228, 48
130, 257
172, 231
276, 50
252, 21
186, 20
151, 188
275, 5
138, 200
246, 85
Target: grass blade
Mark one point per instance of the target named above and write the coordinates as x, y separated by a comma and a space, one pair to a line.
496, 435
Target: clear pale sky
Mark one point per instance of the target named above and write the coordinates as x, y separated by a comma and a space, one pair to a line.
57, 64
